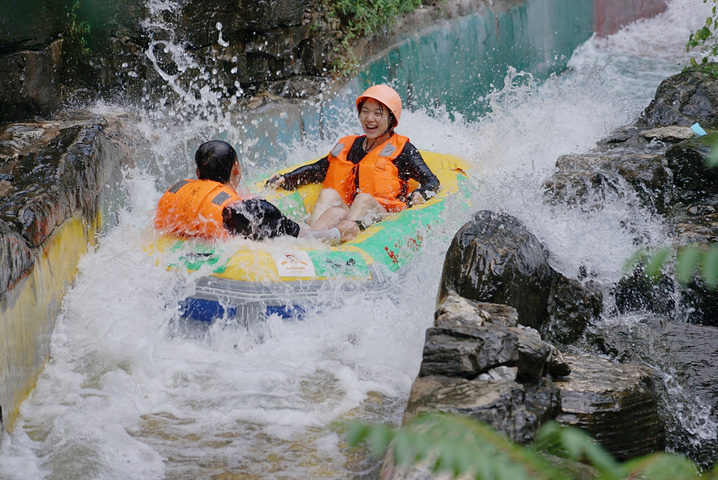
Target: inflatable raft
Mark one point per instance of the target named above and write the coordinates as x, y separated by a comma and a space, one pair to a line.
251, 280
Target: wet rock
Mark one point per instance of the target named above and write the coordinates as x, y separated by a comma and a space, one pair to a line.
500, 373
16, 259
492, 371
30, 82
637, 292
467, 351
56, 170
590, 181
514, 409
683, 99
472, 320
572, 305
44, 182
687, 355
693, 178
455, 311
699, 303
535, 355
694, 225
671, 134
626, 138
495, 259
617, 404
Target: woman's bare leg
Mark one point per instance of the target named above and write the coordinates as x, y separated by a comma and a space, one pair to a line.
328, 198
367, 210
330, 218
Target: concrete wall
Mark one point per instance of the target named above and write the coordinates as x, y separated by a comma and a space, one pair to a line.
28, 311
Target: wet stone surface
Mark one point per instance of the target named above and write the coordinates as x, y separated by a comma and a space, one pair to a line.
615, 403
495, 259
49, 172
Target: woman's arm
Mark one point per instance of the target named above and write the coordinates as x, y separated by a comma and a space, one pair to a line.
312, 173
411, 165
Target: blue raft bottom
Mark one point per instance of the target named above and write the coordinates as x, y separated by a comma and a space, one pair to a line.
215, 298
207, 311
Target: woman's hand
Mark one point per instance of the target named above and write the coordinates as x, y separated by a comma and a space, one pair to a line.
275, 180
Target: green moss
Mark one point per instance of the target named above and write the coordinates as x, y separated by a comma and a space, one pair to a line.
367, 17
708, 68
75, 44
363, 18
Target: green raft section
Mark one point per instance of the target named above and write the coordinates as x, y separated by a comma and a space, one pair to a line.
253, 279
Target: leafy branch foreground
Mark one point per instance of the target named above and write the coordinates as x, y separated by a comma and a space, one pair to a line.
705, 39
461, 446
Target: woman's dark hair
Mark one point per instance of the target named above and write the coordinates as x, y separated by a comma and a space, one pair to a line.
392, 118
215, 160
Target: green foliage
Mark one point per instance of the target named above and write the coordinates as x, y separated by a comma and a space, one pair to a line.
366, 17
705, 38
464, 447
691, 261
362, 18
75, 43
457, 445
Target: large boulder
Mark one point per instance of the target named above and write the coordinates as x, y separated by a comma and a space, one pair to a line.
686, 354
684, 99
615, 403
495, 259
478, 361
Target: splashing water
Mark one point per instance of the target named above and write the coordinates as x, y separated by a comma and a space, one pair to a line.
129, 393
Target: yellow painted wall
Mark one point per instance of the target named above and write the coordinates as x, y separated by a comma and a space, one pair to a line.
28, 312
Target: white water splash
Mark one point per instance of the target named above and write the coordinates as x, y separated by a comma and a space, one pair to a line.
129, 393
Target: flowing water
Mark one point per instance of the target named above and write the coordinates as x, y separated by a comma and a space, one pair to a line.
129, 393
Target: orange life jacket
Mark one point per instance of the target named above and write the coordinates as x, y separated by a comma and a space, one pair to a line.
193, 208
378, 176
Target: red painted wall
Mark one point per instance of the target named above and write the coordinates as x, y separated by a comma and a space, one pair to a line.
611, 15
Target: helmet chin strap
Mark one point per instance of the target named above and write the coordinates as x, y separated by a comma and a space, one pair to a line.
373, 143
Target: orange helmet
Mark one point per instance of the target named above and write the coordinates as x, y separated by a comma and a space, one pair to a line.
384, 94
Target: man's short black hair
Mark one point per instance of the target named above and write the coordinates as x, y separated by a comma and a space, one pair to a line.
215, 160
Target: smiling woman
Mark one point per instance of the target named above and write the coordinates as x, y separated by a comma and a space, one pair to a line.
368, 177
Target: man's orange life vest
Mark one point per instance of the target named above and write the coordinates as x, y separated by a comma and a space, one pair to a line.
193, 208
377, 174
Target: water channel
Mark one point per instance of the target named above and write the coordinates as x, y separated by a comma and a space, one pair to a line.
128, 393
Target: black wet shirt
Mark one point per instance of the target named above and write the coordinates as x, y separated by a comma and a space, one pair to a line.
409, 163
257, 219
